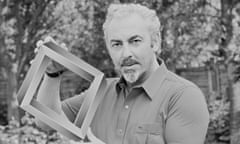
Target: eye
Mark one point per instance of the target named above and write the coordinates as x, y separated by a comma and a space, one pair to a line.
116, 45
136, 41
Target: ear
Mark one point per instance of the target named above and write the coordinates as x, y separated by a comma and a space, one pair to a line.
155, 44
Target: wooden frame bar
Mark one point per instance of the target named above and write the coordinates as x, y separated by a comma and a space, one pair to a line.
51, 51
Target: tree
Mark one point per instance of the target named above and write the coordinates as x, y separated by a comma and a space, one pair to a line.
193, 32
23, 23
76, 23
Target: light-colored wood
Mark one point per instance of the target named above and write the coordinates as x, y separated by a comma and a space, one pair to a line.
52, 51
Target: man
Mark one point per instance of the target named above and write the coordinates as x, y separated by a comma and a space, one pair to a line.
148, 103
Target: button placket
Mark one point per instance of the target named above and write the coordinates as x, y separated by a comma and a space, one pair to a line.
120, 131
123, 117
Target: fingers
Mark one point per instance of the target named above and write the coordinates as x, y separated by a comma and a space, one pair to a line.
42, 42
49, 39
46, 40
63, 45
31, 61
93, 138
76, 142
39, 43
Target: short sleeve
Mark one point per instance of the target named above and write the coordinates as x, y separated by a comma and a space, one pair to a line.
188, 117
72, 105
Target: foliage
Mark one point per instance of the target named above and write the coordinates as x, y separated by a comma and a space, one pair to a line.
193, 31
234, 47
219, 126
22, 23
79, 27
28, 133
3, 112
237, 72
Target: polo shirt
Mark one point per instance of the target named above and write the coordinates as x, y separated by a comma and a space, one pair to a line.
165, 109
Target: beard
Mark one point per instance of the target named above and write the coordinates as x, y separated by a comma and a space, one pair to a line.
131, 76
129, 68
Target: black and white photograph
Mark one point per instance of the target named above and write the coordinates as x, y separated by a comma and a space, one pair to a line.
119, 72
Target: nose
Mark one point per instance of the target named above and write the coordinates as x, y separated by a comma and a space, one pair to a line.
126, 51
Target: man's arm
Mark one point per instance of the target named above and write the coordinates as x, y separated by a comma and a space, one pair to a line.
48, 95
188, 117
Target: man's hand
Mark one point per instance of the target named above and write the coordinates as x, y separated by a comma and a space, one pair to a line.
93, 139
53, 66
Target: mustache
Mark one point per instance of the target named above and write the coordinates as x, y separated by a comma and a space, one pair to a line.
128, 62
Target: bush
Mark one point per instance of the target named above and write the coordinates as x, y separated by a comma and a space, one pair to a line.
28, 133
3, 112
219, 126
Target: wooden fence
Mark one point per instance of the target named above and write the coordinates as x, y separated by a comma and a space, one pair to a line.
212, 81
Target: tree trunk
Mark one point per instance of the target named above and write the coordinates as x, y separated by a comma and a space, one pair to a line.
235, 115
234, 88
13, 111
234, 98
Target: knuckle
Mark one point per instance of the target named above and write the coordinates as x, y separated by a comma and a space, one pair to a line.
39, 43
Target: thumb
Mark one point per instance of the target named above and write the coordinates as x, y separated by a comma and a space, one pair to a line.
93, 138
49, 39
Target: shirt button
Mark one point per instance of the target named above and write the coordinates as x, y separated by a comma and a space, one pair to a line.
120, 131
126, 106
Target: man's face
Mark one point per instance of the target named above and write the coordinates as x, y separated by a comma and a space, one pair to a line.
129, 44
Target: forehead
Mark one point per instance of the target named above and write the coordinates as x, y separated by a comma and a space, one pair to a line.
125, 27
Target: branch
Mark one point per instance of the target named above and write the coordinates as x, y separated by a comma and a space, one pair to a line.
21, 64
191, 12
235, 2
212, 6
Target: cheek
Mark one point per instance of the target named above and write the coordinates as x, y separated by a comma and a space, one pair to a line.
146, 58
115, 58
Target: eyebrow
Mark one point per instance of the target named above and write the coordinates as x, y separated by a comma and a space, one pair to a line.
115, 41
130, 39
134, 37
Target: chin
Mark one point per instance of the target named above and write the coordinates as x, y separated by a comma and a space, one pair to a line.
131, 77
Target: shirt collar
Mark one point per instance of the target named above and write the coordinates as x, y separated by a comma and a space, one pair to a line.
152, 84
121, 84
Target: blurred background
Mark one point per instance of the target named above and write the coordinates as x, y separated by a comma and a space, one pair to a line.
200, 41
